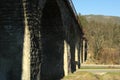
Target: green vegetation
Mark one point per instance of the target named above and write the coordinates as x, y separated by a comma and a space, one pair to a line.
103, 34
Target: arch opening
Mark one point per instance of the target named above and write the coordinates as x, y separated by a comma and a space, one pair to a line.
52, 35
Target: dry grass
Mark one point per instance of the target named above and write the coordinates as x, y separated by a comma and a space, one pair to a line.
91, 76
111, 76
81, 76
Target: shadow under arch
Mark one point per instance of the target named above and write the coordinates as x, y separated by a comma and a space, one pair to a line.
52, 39
11, 39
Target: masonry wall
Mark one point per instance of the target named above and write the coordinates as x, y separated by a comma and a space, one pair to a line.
53, 32
73, 36
56, 25
33, 16
11, 39
46, 38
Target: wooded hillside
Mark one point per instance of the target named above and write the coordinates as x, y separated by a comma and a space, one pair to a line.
103, 35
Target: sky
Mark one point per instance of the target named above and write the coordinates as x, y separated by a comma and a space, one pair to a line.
98, 7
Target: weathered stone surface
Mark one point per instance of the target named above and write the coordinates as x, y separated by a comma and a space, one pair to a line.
52, 42
53, 32
11, 39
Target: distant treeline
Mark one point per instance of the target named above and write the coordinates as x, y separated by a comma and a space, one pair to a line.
103, 35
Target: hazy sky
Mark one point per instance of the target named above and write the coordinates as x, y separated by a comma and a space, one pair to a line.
104, 7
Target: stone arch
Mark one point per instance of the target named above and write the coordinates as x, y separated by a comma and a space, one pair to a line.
72, 48
52, 37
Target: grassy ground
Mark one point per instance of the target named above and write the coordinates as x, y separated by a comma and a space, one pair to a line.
100, 67
94, 66
90, 76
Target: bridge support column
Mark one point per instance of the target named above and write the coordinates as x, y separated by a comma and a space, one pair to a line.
26, 50
86, 46
76, 56
83, 51
67, 58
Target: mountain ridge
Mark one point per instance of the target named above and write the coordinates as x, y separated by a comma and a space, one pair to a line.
103, 18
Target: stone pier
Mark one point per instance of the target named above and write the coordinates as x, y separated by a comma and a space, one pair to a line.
39, 40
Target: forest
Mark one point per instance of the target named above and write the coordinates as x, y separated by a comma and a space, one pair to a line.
103, 35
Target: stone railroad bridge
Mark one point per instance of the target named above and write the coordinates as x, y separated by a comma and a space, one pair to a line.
39, 40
